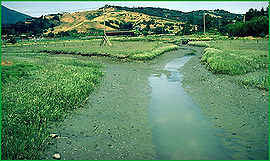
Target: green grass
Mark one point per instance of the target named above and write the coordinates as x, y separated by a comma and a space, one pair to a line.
238, 57
199, 43
256, 79
154, 53
37, 91
139, 50
16, 71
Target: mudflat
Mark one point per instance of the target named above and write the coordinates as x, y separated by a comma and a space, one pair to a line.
241, 112
114, 123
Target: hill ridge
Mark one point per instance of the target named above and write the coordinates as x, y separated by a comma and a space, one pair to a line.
10, 16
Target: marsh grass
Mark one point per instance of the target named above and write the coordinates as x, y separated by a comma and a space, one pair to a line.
199, 43
16, 71
154, 53
38, 90
122, 48
256, 79
238, 57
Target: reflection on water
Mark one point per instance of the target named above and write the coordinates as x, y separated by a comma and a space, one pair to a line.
179, 128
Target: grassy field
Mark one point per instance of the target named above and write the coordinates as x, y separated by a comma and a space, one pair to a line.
37, 90
121, 49
246, 58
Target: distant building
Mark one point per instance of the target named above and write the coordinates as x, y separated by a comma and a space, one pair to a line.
137, 28
118, 33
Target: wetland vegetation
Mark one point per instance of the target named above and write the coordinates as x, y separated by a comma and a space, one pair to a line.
37, 90
65, 96
42, 88
247, 58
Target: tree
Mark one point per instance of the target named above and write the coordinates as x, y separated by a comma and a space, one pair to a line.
51, 34
55, 17
145, 32
35, 27
158, 30
147, 28
63, 34
126, 26
262, 12
12, 40
187, 30
253, 13
258, 26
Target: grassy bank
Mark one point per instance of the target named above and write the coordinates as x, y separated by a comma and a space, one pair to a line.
247, 58
37, 90
140, 49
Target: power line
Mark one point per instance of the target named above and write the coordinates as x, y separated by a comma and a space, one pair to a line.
61, 10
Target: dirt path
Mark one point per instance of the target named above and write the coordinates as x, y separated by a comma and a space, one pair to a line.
114, 124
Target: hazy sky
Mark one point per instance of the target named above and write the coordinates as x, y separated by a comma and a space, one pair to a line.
39, 8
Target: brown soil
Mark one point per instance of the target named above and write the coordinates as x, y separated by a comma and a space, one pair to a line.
6, 63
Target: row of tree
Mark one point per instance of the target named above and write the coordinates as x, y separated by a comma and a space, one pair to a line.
255, 13
257, 26
119, 25
35, 26
255, 23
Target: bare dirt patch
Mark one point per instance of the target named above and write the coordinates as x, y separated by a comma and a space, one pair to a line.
6, 63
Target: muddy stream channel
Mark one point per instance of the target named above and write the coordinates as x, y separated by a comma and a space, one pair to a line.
140, 111
179, 128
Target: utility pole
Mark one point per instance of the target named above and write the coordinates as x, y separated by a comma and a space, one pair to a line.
244, 19
204, 23
105, 39
163, 29
104, 21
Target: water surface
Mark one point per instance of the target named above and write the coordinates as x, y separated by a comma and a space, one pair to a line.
180, 130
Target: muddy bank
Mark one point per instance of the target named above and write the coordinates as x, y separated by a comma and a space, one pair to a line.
241, 112
114, 124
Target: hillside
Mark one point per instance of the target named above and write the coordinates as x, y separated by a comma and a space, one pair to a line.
193, 17
144, 19
125, 18
179, 15
115, 20
9, 16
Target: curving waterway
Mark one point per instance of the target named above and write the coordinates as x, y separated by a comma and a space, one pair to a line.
179, 129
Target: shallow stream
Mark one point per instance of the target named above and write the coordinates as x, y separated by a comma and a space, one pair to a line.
179, 128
